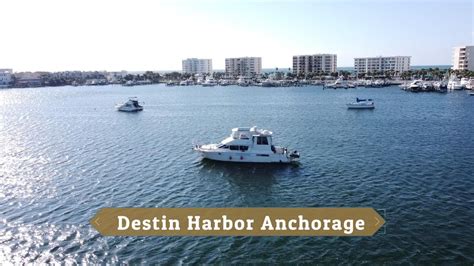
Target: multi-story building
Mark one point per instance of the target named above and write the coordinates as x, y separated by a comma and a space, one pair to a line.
243, 66
197, 66
5, 77
398, 64
29, 79
463, 58
303, 64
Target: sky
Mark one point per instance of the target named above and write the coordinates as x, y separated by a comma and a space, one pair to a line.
139, 35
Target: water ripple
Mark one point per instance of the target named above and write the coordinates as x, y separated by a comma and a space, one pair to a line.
66, 153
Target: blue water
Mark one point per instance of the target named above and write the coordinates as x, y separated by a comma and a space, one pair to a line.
66, 153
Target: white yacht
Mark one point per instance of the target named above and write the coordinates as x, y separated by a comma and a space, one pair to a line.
244, 81
470, 84
210, 82
199, 80
361, 104
269, 83
339, 83
187, 82
454, 83
132, 105
440, 85
247, 145
416, 85
225, 82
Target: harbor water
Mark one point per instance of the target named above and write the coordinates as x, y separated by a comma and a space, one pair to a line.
65, 153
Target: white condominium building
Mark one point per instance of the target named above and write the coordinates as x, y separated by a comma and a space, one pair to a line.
463, 58
303, 64
243, 66
382, 63
197, 66
5, 77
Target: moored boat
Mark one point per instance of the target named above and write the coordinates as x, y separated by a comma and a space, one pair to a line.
248, 145
132, 105
361, 104
416, 85
210, 82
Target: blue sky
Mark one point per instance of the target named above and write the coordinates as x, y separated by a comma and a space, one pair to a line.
156, 35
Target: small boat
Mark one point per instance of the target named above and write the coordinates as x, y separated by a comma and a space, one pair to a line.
269, 83
361, 104
416, 85
454, 84
440, 85
470, 84
247, 145
210, 82
225, 82
132, 105
339, 83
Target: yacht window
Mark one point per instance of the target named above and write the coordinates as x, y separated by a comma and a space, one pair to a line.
244, 148
262, 141
234, 147
243, 136
222, 146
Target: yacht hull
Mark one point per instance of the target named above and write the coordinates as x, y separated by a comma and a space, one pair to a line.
125, 109
245, 157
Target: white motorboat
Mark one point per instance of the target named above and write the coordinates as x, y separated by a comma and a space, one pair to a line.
225, 82
199, 80
454, 83
132, 105
464, 83
416, 85
470, 84
187, 82
361, 104
339, 83
269, 83
210, 82
244, 81
247, 145
440, 85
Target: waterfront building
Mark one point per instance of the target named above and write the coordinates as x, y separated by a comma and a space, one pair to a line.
5, 77
243, 66
29, 79
463, 58
304, 64
197, 66
398, 64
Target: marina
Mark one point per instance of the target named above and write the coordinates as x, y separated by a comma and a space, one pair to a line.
63, 160
236, 132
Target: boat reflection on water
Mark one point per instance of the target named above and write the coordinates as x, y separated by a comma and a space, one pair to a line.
251, 181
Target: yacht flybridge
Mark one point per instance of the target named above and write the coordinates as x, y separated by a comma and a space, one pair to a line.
247, 145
